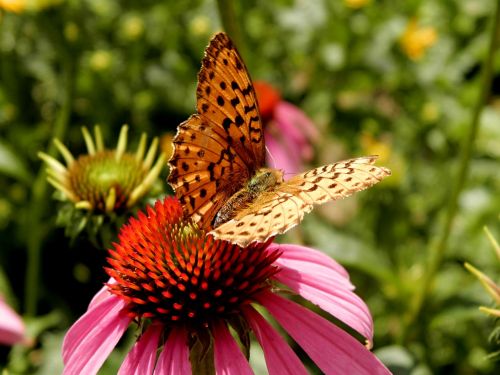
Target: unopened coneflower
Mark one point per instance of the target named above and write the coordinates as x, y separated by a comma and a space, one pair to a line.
493, 289
491, 286
193, 301
104, 180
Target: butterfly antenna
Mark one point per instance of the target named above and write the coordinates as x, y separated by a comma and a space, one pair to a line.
272, 157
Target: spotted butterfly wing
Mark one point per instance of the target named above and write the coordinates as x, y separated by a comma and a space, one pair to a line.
277, 210
217, 166
217, 150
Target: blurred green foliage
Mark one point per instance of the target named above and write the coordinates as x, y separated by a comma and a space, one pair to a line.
70, 63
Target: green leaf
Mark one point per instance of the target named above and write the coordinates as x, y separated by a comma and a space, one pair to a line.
6, 290
397, 358
201, 354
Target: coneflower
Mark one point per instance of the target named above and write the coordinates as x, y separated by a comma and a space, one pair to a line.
184, 290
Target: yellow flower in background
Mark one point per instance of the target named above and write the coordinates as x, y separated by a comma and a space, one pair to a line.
373, 146
416, 40
356, 4
383, 148
15, 6
18, 6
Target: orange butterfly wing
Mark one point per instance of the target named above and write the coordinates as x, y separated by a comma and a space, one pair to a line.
217, 150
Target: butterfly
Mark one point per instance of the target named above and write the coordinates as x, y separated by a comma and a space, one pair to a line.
217, 168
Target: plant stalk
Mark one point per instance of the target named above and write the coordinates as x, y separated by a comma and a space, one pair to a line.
230, 23
438, 248
35, 222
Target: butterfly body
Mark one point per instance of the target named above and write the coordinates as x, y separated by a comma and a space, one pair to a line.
265, 179
217, 168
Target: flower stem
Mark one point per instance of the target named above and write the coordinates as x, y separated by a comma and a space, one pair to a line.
230, 23
35, 222
437, 248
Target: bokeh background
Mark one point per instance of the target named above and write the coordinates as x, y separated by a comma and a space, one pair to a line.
401, 79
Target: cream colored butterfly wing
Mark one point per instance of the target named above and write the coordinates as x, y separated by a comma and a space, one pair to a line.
280, 209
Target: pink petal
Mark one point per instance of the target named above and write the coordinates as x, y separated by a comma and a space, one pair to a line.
279, 158
287, 112
142, 358
329, 290
292, 137
12, 328
332, 349
280, 358
229, 360
316, 261
174, 359
295, 149
285, 127
90, 340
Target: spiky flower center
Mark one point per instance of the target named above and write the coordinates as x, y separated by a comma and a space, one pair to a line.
168, 270
93, 177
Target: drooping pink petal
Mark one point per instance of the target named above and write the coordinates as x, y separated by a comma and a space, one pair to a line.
12, 330
90, 340
328, 290
292, 137
229, 360
342, 304
278, 157
292, 149
280, 358
286, 112
332, 349
142, 357
174, 359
